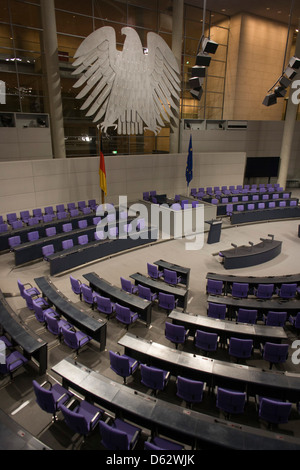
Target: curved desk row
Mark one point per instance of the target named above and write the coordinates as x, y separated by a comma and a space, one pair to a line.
76, 316
225, 329
157, 286
259, 215
41, 228
136, 304
31, 345
97, 249
244, 256
292, 307
253, 281
181, 271
254, 381
222, 207
173, 421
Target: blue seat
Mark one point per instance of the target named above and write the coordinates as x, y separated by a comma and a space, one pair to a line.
128, 286
105, 305
190, 390
230, 401
206, 341
125, 315
123, 365
177, 334
154, 378
83, 418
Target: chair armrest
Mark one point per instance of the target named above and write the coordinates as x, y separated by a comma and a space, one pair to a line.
61, 397
95, 417
134, 364
134, 439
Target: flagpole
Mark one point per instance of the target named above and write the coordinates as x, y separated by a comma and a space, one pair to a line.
100, 137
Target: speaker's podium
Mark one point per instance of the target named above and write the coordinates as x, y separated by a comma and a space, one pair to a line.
214, 233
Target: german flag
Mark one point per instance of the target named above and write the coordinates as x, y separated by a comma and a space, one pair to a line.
102, 172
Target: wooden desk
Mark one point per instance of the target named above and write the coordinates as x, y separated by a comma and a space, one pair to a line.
136, 304
77, 317
173, 421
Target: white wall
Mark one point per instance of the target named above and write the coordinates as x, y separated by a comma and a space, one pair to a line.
38, 183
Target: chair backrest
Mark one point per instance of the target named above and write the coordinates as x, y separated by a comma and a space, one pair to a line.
86, 210
123, 314
71, 206
44, 397
83, 239
265, 291
144, 292
92, 203
99, 235
70, 337
282, 203
48, 218
50, 231
17, 224
166, 301
67, 227
271, 205
214, 287
38, 311
126, 285
216, 310
81, 204
14, 241
274, 411
240, 289
276, 318
67, 244
32, 236
175, 333
3, 228
104, 304
12, 217
75, 421
49, 210
60, 208
87, 293
240, 347
37, 213
152, 270
52, 324
48, 250
206, 340
261, 205
75, 285
152, 377
190, 390
82, 223
24, 215
231, 401
74, 212
170, 276
251, 207
112, 438
33, 221
247, 316
240, 207
288, 291
275, 353
113, 232
146, 195
119, 364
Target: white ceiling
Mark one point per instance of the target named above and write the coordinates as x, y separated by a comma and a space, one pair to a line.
278, 10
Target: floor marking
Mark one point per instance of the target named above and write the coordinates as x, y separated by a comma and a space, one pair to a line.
190, 300
20, 407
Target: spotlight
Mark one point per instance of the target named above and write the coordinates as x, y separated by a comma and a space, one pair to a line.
209, 46
280, 91
197, 93
294, 63
284, 82
270, 100
290, 73
203, 59
198, 71
196, 82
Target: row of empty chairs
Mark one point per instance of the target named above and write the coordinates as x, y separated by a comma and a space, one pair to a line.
11, 358
191, 391
48, 215
238, 189
260, 206
240, 349
45, 314
250, 198
242, 290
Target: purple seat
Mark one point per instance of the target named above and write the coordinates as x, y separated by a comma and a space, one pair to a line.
55, 323
206, 341
264, 291
62, 215
217, 311
3, 228
17, 224
50, 397
128, 286
230, 401
153, 271
170, 277
81, 205
240, 348
83, 418
25, 216
71, 206
275, 318
50, 231
13, 361
247, 316
167, 301
39, 312
38, 214
74, 212
214, 287
32, 291
124, 366
14, 241
48, 218
74, 339
125, 315
33, 221
49, 210
105, 305
83, 240
145, 293
88, 295
287, 291
75, 286
32, 236
86, 210
119, 435
189, 390
82, 223
39, 300
240, 290
67, 227
275, 353
66, 244
274, 411
154, 378
177, 334
92, 204
12, 217
47, 251
60, 208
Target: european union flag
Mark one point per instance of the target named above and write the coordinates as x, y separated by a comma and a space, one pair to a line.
189, 164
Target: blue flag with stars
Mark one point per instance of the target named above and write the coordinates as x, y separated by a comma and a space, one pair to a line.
189, 163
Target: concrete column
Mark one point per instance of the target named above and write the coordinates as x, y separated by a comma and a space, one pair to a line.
51, 70
289, 128
177, 35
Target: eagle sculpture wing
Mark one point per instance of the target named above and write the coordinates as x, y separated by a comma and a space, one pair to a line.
95, 61
164, 79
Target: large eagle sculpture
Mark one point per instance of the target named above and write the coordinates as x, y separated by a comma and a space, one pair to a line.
129, 90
